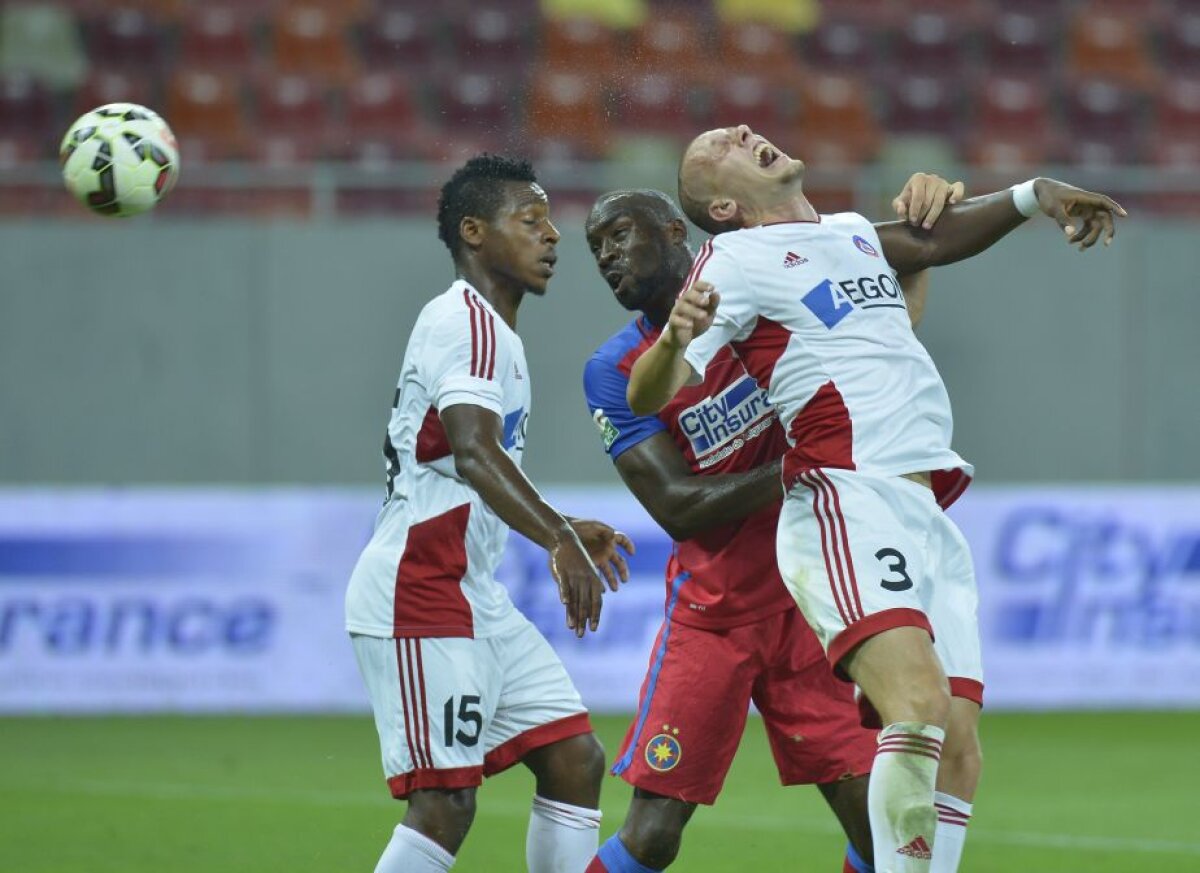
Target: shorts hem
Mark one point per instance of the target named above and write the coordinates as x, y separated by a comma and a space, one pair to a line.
707, 798
967, 689
511, 751
415, 780
872, 625
808, 779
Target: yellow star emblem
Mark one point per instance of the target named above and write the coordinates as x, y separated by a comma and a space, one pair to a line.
662, 753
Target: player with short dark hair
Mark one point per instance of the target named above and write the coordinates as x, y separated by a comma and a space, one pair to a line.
707, 469
462, 685
880, 572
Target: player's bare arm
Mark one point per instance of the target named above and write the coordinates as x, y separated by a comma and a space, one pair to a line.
970, 227
915, 288
662, 371
685, 504
476, 437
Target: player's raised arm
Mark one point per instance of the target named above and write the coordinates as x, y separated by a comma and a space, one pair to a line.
967, 228
662, 371
915, 288
476, 438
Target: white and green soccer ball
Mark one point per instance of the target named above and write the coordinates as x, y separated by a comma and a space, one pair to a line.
119, 159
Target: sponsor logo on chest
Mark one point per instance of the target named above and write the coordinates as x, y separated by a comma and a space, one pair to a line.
718, 426
832, 301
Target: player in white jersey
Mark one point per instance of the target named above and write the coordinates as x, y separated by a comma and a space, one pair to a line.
812, 306
461, 683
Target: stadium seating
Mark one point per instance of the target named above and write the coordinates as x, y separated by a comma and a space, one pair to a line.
1006, 83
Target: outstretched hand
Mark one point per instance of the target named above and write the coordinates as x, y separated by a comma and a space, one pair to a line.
601, 543
589, 548
924, 197
1084, 216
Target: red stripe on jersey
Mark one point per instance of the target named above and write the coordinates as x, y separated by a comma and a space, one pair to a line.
432, 442
409, 720
418, 709
706, 251
491, 336
821, 434
841, 528
763, 348
471, 305
429, 601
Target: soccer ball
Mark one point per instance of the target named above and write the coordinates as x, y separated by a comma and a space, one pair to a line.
119, 159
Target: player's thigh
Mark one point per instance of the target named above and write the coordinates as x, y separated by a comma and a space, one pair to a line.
537, 703
851, 548
810, 715
954, 610
691, 713
432, 700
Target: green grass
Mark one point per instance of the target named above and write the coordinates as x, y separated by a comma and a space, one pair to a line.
1079, 792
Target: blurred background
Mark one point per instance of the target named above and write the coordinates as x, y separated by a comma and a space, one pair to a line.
192, 402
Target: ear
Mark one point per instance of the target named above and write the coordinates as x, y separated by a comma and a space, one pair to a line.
676, 232
722, 210
472, 231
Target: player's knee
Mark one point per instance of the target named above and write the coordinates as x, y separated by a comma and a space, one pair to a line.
443, 815
964, 759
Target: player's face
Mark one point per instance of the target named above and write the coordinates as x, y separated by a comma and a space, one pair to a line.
520, 241
737, 163
630, 252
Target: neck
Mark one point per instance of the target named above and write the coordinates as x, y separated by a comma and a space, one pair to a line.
504, 294
658, 311
795, 208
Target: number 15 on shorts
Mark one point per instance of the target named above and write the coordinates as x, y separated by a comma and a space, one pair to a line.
463, 725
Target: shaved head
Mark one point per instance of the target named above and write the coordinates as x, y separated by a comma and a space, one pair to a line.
646, 201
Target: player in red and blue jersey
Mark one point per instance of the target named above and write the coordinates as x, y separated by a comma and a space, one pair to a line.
707, 469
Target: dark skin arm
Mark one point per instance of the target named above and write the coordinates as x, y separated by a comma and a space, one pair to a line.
967, 228
476, 438
685, 504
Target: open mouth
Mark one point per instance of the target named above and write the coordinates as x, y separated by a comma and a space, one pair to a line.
613, 278
765, 154
549, 261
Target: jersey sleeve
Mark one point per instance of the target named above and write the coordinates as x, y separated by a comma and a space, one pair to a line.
461, 362
736, 313
604, 387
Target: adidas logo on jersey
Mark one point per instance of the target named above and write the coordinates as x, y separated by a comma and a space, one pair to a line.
918, 848
793, 260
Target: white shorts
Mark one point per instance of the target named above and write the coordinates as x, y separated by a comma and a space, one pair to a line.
862, 554
451, 710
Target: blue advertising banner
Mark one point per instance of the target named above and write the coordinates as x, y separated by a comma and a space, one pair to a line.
204, 600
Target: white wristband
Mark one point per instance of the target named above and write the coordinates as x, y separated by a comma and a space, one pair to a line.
1025, 200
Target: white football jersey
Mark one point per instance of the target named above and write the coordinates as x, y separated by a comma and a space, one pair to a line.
817, 314
429, 569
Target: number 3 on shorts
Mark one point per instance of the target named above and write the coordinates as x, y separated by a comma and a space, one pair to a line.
896, 564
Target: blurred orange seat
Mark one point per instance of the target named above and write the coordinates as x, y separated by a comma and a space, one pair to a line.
292, 122
490, 37
757, 100
308, 40
206, 114
1014, 126
657, 103
566, 114
669, 43
837, 123
752, 47
1108, 43
113, 86
217, 38
579, 44
397, 37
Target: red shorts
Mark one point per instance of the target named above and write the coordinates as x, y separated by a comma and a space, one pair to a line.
697, 693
